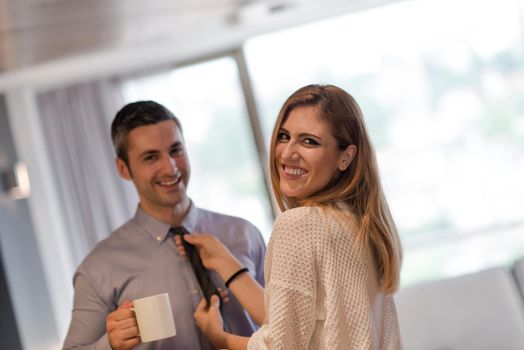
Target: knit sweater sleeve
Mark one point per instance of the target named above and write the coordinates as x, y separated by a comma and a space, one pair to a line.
290, 282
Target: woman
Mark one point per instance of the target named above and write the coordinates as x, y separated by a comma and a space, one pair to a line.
334, 255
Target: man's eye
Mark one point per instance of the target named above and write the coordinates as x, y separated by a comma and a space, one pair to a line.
177, 150
149, 158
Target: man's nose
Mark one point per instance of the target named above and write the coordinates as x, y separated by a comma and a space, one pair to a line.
169, 165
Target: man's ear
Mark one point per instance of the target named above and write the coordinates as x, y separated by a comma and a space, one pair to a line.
347, 157
123, 169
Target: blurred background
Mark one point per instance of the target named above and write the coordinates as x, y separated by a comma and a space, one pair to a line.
440, 82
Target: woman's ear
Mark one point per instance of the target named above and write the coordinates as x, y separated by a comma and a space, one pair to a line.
346, 157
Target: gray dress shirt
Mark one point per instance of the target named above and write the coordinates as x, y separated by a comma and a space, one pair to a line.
140, 259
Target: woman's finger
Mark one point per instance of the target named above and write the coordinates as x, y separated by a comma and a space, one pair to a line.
179, 246
224, 295
201, 307
215, 301
194, 238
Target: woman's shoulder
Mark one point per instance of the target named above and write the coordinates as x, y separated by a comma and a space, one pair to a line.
317, 220
302, 222
299, 216
314, 213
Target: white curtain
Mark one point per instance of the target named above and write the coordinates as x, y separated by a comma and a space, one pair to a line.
76, 125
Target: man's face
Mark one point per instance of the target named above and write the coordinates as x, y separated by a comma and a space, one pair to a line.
158, 166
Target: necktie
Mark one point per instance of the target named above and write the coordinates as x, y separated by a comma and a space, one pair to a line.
201, 273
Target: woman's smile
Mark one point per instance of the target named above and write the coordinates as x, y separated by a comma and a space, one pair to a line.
307, 153
293, 172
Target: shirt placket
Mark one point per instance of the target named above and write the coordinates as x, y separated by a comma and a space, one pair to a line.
194, 290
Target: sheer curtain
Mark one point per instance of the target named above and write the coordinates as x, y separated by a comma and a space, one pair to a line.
76, 126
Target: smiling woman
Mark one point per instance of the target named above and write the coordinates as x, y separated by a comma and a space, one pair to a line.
333, 260
307, 155
444, 108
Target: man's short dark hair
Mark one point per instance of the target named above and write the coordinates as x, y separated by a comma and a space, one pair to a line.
134, 115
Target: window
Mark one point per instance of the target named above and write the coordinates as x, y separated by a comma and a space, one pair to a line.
443, 96
208, 100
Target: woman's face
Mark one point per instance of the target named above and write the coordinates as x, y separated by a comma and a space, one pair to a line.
306, 154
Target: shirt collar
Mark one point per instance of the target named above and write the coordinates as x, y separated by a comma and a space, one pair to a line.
159, 230
191, 219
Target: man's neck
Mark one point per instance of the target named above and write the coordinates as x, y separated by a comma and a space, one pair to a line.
169, 215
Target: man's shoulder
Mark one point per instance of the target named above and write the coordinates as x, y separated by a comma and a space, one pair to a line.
215, 218
120, 234
233, 231
117, 241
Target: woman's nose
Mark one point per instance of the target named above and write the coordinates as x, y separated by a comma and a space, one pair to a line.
290, 151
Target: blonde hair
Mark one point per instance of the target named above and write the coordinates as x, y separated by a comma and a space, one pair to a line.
358, 186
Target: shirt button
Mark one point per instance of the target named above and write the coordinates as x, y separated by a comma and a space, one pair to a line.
158, 238
195, 291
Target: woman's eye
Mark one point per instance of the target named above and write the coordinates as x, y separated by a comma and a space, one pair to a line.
283, 137
310, 142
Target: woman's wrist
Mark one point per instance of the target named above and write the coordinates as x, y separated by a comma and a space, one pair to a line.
233, 341
235, 275
228, 268
220, 341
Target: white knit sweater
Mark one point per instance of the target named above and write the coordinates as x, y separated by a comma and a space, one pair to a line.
322, 288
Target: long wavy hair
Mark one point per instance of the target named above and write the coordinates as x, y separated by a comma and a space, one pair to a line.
358, 186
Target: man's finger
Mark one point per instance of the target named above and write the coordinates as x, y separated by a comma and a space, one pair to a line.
127, 323
123, 311
123, 314
129, 343
127, 304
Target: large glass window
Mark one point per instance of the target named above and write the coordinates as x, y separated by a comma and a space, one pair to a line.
441, 84
225, 170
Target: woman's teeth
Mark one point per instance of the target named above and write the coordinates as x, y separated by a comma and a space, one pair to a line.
294, 171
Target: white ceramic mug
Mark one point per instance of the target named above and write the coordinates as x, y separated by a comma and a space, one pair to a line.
154, 317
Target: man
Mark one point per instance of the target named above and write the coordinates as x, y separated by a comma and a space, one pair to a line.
140, 258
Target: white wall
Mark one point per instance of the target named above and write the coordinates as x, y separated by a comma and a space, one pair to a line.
23, 264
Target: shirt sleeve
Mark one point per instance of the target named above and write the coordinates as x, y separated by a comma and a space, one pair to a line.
290, 293
87, 330
260, 254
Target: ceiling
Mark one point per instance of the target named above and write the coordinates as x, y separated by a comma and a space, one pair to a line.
37, 31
